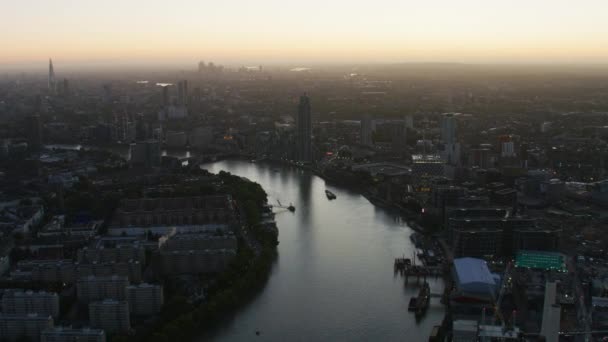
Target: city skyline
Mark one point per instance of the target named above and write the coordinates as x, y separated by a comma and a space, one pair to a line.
271, 31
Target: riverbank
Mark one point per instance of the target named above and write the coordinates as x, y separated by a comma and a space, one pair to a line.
234, 287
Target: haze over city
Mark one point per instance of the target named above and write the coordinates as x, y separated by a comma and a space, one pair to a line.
90, 33
280, 170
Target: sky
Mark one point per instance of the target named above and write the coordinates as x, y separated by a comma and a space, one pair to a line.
303, 31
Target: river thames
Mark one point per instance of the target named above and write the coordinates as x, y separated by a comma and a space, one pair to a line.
333, 279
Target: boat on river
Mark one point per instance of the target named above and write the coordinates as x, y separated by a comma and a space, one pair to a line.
330, 195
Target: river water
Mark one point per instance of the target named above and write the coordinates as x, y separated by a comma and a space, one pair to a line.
333, 279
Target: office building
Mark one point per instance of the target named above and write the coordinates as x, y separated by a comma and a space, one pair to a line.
304, 131
68, 334
20, 302
145, 299
93, 288
110, 315
15, 327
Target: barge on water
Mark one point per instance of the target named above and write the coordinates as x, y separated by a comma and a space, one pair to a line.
419, 304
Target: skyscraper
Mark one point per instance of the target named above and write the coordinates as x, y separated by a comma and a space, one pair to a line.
304, 131
366, 131
448, 128
451, 148
52, 84
182, 93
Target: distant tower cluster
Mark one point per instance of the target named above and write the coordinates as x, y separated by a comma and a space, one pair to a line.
52, 81
178, 108
304, 131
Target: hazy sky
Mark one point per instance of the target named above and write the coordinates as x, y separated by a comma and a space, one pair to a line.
300, 31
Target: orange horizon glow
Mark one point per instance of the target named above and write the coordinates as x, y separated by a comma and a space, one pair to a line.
466, 31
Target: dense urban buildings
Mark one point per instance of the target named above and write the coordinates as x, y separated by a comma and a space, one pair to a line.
112, 229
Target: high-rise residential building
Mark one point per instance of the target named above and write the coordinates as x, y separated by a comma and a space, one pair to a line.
21, 302
93, 288
34, 132
14, 327
68, 334
52, 82
366, 131
110, 315
145, 299
304, 131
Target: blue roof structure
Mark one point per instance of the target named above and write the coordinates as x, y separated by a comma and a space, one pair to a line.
473, 275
